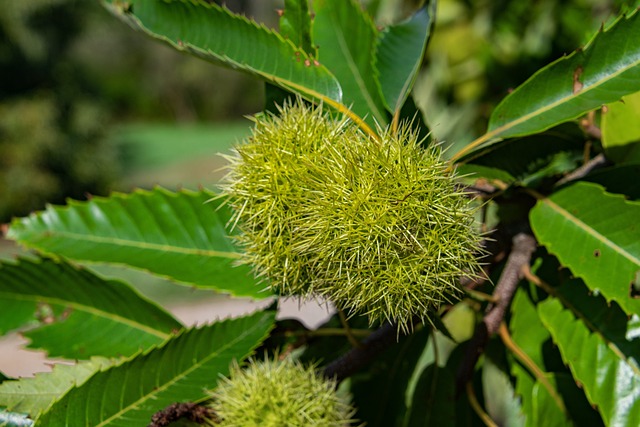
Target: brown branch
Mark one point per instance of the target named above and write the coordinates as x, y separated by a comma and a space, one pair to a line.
190, 411
523, 247
597, 162
350, 362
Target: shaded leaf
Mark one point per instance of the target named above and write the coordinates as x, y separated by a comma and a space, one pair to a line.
14, 313
621, 179
400, 51
215, 34
620, 126
34, 395
596, 235
588, 336
389, 377
346, 38
180, 370
104, 317
324, 349
605, 70
433, 402
413, 115
176, 235
528, 160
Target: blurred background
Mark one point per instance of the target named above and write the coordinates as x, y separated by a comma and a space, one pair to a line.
88, 106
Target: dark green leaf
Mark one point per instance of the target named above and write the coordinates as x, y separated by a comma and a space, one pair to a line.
324, 349
413, 115
596, 235
389, 406
433, 401
602, 349
295, 25
34, 395
177, 235
621, 179
604, 71
182, 369
346, 38
528, 160
14, 313
104, 317
215, 34
400, 51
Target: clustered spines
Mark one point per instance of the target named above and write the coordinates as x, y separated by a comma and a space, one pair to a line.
280, 393
379, 228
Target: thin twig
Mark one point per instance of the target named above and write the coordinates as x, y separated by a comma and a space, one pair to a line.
473, 400
350, 362
330, 332
523, 247
531, 366
597, 162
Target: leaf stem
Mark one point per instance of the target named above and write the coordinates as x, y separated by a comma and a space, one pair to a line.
341, 108
524, 358
475, 144
350, 362
523, 247
473, 400
330, 332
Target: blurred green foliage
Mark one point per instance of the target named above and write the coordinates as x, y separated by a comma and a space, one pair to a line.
50, 131
68, 73
481, 49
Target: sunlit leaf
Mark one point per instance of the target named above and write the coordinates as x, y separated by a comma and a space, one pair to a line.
295, 24
596, 235
538, 405
620, 126
601, 347
400, 52
34, 395
214, 33
604, 71
182, 369
79, 314
176, 235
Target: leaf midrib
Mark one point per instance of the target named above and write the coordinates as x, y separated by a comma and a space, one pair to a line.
344, 48
139, 245
591, 231
548, 107
185, 373
87, 309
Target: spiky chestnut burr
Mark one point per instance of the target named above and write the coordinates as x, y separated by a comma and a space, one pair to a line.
279, 393
377, 227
